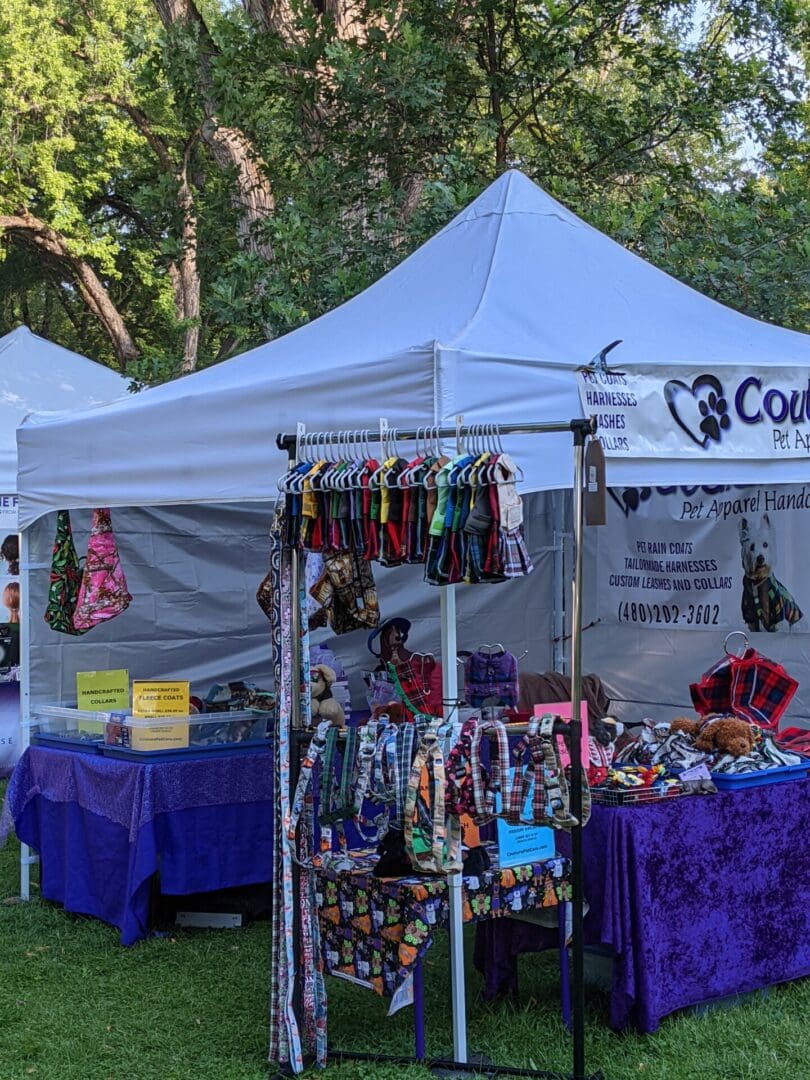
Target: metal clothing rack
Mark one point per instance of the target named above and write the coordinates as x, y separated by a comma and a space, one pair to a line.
580, 431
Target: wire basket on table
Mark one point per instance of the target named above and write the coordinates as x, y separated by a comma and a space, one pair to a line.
611, 796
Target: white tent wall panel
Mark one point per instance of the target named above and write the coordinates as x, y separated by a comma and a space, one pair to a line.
490, 318
193, 576
647, 672
193, 572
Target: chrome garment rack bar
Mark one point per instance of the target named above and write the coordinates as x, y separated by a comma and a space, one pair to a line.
583, 427
580, 430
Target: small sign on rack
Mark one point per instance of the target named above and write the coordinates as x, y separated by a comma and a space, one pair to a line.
519, 845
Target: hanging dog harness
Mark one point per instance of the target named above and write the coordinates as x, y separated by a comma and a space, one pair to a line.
430, 757
487, 788
550, 785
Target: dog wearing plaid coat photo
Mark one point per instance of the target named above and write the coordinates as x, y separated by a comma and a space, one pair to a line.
765, 601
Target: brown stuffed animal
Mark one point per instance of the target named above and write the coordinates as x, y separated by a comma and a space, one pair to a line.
727, 735
686, 725
724, 734
394, 710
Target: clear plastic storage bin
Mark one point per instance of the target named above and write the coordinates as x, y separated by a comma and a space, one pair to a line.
67, 727
64, 725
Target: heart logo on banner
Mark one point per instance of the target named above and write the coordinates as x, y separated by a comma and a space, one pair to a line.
629, 499
700, 410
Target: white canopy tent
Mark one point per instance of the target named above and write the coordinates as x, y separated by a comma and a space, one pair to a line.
490, 319
37, 376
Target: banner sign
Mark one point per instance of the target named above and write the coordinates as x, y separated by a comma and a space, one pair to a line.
713, 558
725, 413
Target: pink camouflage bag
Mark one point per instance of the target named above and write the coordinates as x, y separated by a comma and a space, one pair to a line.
103, 593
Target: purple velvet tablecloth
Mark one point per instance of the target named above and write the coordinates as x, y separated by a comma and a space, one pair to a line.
700, 898
103, 828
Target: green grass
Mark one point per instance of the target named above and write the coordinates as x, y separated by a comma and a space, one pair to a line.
74, 1005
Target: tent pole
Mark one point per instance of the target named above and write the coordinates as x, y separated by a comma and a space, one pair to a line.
454, 881
558, 587
577, 936
26, 858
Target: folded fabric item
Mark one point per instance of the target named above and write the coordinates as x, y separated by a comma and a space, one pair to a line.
537, 689
761, 690
750, 686
65, 581
103, 593
766, 755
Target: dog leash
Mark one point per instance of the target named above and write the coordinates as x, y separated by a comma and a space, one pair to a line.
459, 797
314, 752
550, 784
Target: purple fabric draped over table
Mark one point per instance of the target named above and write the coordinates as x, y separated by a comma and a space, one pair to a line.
700, 898
103, 827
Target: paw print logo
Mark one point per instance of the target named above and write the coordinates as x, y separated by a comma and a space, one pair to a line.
699, 410
629, 499
716, 420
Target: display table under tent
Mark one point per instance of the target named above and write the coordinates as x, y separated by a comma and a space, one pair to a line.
699, 899
103, 828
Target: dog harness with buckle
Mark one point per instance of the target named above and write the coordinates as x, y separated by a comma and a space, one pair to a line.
550, 785
430, 757
486, 789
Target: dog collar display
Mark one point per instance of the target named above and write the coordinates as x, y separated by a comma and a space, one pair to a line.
550, 785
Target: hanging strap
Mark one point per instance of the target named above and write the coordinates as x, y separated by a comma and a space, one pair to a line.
429, 756
329, 810
487, 788
459, 798
314, 752
550, 784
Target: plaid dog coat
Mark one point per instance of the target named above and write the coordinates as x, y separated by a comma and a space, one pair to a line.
780, 604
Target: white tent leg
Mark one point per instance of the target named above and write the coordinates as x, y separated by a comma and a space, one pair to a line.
450, 696
26, 856
559, 583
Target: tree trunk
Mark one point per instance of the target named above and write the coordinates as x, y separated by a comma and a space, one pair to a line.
230, 147
186, 277
36, 234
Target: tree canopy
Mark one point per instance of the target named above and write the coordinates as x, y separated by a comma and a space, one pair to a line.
182, 179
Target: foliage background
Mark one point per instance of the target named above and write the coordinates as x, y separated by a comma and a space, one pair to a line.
180, 181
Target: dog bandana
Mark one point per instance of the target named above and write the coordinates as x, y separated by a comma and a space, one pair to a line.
103, 593
66, 578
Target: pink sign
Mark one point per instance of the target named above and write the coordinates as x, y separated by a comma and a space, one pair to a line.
564, 710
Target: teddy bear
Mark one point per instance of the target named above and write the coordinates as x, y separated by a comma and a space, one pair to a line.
324, 706
724, 734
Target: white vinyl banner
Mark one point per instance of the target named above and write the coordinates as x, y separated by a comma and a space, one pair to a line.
706, 558
726, 413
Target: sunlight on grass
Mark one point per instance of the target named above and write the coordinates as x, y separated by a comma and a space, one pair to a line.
75, 1005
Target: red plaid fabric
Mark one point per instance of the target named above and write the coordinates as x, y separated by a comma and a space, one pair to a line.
752, 687
761, 690
795, 739
713, 693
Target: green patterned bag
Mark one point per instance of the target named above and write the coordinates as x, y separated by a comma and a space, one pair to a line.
66, 578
